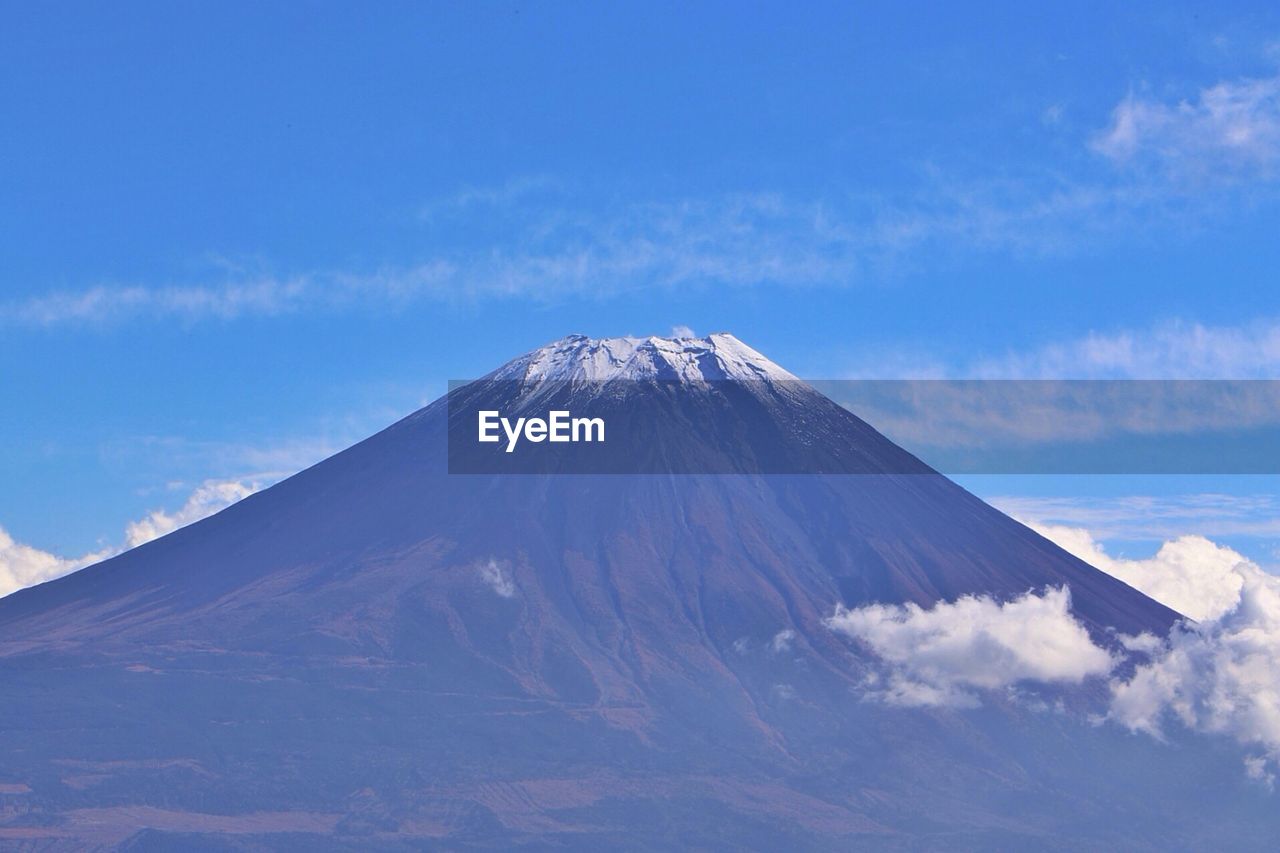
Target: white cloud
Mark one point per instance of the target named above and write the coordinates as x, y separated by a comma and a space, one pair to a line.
22, 566
541, 238
1150, 517
781, 642
1015, 415
942, 655
1171, 350
538, 240
209, 498
1190, 574
680, 332
548, 249
935, 408
497, 579
489, 198
1228, 130
270, 460
265, 296
1220, 674
1256, 768
782, 692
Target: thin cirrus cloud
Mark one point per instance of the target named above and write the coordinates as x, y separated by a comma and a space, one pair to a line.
1217, 673
734, 241
259, 297
270, 461
546, 250
537, 238
1145, 517
1170, 349
22, 565
1228, 131
1022, 399
1005, 416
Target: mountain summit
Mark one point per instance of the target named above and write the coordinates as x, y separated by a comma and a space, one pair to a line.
717, 357
378, 652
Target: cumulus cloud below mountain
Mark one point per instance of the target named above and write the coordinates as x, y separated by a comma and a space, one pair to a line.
1217, 673
1196, 577
1220, 676
940, 656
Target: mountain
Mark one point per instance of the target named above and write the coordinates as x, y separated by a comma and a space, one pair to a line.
424, 640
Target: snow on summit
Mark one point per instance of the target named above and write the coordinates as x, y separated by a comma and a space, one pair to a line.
580, 358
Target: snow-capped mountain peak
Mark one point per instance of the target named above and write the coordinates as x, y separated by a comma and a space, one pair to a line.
579, 358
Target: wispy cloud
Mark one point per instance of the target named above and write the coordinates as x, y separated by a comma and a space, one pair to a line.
1033, 426
576, 249
1169, 349
23, 566
539, 238
1022, 420
265, 461
1177, 349
1147, 518
1228, 131
507, 196
259, 297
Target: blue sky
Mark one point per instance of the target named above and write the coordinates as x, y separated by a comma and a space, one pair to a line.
237, 238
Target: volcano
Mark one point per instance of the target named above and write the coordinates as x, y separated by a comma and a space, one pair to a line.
422, 642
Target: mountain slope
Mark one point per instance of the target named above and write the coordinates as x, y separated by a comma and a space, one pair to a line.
378, 649
897, 532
